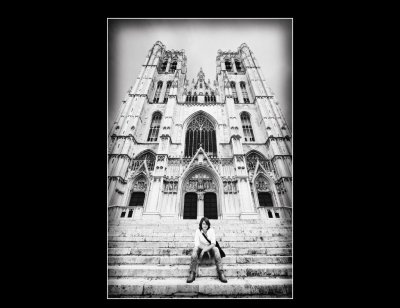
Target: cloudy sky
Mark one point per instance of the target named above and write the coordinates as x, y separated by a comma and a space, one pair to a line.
129, 41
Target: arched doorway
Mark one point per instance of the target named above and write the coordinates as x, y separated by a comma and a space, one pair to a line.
200, 195
190, 206
210, 205
265, 191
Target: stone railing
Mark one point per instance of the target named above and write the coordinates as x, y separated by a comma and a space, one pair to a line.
276, 212
119, 213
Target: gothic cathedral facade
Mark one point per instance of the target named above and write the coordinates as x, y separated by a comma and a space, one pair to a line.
182, 149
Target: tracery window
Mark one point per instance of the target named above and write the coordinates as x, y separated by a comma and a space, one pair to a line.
247, 129
154, 127
172, 68
200, 132
244, 92
148, 156
234, 93
158, 91
169, 83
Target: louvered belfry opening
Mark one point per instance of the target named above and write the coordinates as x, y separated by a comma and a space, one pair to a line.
246, 125
154, 127
200, 132
190, 206
210, 206
265, 199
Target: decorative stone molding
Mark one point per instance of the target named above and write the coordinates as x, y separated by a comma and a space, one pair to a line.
161, 158
117, 178
230, 187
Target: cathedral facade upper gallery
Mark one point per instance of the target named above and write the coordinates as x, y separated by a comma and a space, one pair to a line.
184, 149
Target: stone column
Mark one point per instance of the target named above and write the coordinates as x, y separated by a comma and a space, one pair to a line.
200, 205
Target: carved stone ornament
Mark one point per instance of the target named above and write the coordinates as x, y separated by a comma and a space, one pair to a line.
140, 184
161, 158
200, 181
262, 184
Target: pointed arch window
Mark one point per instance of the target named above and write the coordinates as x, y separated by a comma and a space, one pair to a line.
154, 127
200, 132
172, 68
247, 129
234, 93
244, 92
213, 96
238, 65
194, 98
164, 65
169, 83
158, 91
189, 97
206, 97
228, 65
148, 156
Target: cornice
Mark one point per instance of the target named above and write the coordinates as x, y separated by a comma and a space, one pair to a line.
275, 157
120, 156
117, 178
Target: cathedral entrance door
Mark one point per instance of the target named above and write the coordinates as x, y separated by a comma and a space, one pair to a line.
210, 205
190, 206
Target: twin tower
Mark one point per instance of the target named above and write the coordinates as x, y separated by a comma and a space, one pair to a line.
184, 149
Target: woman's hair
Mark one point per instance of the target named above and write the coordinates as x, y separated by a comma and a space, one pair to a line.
207, 222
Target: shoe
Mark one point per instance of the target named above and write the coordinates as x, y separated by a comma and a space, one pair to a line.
221, 276
191, 277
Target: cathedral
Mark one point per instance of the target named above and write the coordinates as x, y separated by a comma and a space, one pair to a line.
183, 149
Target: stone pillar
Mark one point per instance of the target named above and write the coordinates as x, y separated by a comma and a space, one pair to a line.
168, 65
247, 210
150, 211
200, 205
233, 65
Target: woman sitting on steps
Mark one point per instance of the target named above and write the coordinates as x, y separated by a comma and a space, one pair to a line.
201, 246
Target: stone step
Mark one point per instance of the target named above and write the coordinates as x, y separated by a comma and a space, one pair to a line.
235, 270
216, 222
190, 244
201, 287
185, 260
179, 231
196, 225
188, 251
191, 239
254, 238
141, 233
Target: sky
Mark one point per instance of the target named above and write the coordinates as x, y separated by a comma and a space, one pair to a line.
129, 41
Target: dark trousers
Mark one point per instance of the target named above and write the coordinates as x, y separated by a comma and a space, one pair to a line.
214, 253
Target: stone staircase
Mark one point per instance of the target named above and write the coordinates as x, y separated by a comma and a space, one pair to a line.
151, 259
